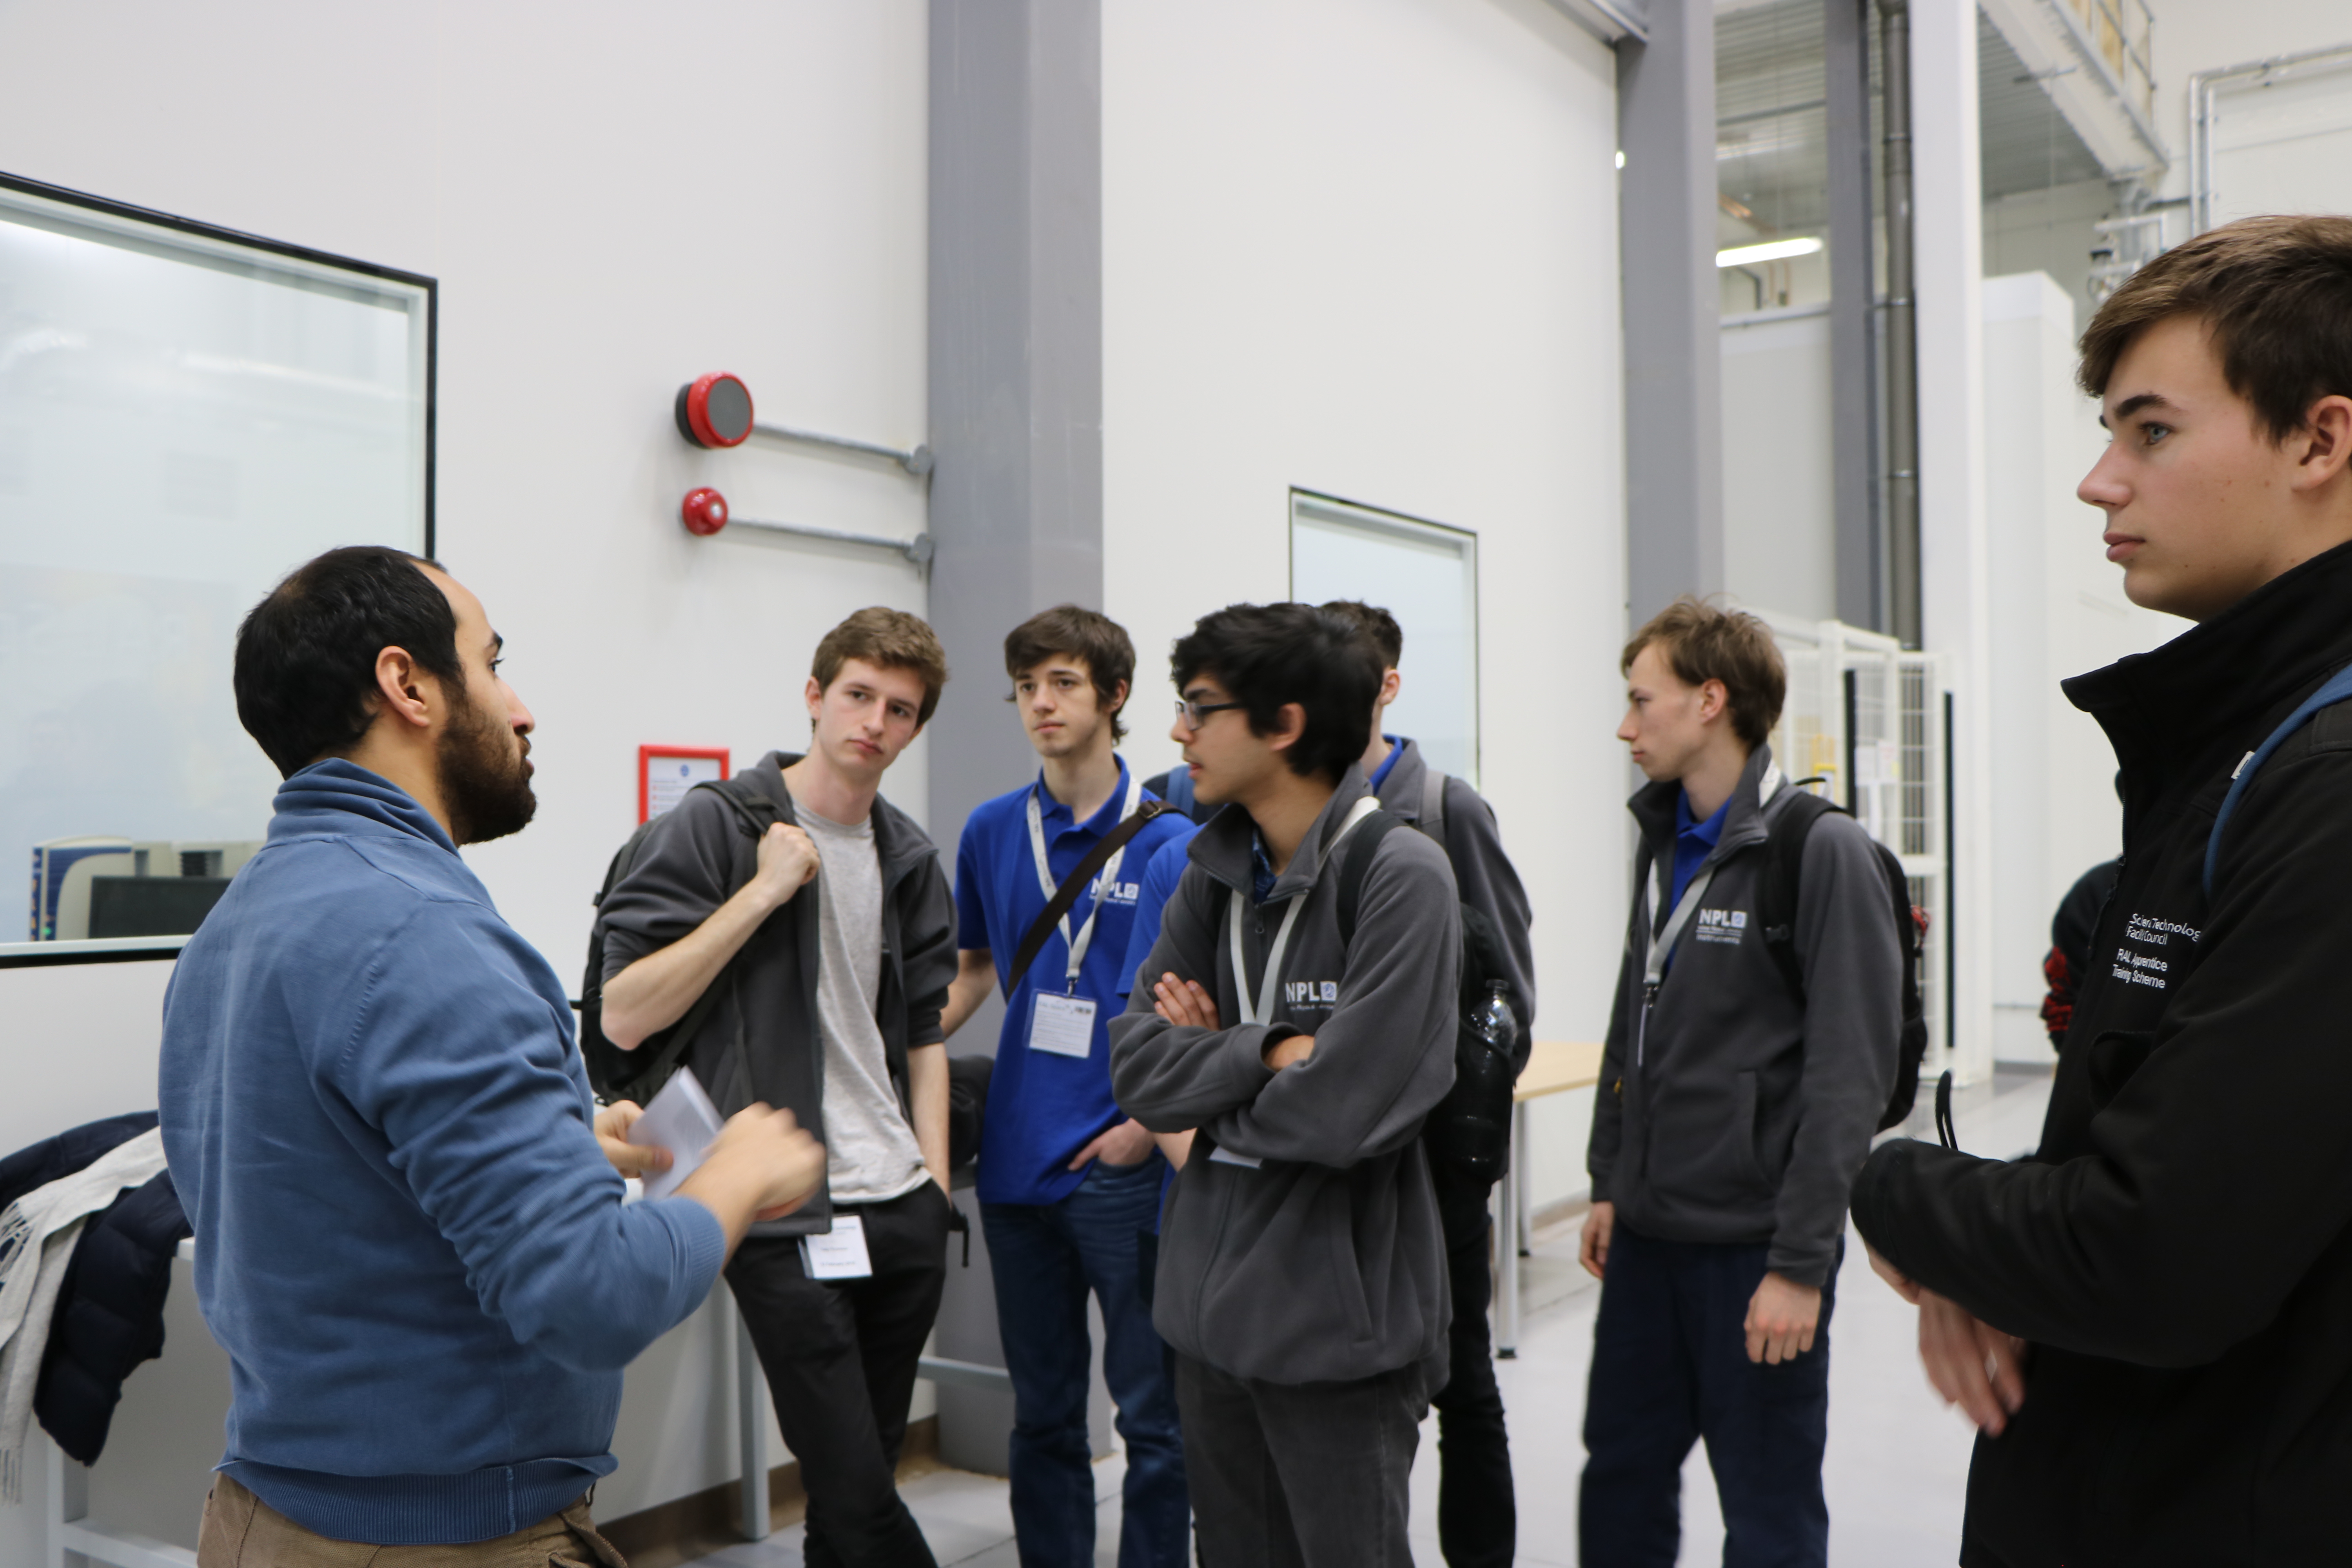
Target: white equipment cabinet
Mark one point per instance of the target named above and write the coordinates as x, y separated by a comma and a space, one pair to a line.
1867, 718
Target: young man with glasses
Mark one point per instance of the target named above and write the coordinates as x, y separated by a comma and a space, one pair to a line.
833, 939
1477, 1510
1068, 1183
1302, 1278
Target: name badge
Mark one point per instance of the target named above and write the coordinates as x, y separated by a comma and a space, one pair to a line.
1064, 1025
840, 1256
1221, 1155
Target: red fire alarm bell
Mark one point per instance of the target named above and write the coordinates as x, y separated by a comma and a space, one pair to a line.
705, 511
715, 410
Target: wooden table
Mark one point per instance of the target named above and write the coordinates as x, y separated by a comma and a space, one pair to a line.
1554, 1067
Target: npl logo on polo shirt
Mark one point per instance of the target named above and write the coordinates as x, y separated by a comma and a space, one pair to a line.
1310, 992
1720, 925
1123, 892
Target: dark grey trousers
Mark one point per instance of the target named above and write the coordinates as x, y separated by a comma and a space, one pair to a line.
1300, 1474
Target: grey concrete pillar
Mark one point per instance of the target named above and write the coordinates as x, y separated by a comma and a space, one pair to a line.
1859, 539
1674, 366
1016, 429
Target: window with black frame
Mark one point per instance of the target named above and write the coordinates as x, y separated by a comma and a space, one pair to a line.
185, 415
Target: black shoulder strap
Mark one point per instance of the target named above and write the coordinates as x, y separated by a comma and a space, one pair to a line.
1784, 852
1180, 788
755, 813
1356, 863
1066, 897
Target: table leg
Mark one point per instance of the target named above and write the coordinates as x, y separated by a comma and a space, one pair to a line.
750, 1430
68, 1485
1506, 1245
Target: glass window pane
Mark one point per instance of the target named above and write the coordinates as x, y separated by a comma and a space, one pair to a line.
1426, 575
183, 420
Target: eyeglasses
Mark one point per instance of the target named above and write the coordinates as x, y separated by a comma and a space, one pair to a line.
1189, 714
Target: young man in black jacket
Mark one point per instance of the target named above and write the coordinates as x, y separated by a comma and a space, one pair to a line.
833, 939
1477, 1509
2147, 1318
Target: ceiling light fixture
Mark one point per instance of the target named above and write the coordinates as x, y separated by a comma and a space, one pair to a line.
1771, 250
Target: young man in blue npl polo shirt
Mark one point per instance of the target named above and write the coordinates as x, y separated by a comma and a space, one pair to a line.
1068, 1183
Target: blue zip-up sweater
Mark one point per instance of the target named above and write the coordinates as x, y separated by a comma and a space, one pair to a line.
407, 1238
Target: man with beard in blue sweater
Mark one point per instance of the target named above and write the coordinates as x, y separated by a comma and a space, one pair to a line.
408, 1216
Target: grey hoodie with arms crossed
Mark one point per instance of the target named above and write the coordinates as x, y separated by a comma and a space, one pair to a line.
1324, 1261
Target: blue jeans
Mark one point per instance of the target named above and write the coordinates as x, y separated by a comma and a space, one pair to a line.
1044, 1259
1670, 1366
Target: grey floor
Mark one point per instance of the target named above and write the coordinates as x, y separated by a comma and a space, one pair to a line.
1896, 1464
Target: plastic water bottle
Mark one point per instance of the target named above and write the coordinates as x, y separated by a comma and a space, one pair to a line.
1495, 1023
1472, 1129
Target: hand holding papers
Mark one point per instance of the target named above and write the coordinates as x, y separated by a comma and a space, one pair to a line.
681, 1120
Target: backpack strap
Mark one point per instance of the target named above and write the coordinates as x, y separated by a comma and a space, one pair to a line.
755, 813
1356, 863
755, 810
2338, 690
1432, 803
1179, 791
1066, 897
1784, 854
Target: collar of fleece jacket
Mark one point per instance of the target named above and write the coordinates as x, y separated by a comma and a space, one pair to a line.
1653, 806
2221, 678
1223, 847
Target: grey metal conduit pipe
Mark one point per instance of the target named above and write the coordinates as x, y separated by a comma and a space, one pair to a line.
1902, 329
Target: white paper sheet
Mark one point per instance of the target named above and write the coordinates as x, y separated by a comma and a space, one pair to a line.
681, 1120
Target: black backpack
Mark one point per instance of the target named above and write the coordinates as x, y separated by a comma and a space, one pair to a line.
1470, 1129
1784, 852
615, 1074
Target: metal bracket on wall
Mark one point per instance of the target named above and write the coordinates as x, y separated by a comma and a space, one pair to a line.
705, 512
916, 462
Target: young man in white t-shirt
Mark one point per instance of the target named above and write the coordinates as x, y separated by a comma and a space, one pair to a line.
834, 939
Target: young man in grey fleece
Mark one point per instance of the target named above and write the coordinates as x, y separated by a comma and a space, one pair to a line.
1302, 1278
1733, 1114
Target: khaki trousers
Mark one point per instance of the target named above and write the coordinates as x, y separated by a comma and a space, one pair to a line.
243, 1532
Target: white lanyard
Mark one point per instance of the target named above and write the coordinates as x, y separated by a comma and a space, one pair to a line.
1110, 878
1239, 911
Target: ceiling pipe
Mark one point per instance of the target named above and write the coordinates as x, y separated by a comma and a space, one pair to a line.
1902, 329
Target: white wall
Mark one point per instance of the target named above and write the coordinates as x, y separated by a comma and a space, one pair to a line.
2049, 231
2058, 609
2194, 36
1367, 247
1779, 518
615, 198
1954, 567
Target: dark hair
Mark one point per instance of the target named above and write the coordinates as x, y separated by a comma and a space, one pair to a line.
1703, 643
305, 667
887, 640
1084, 634
1266, 656
1376, 623
2276, 293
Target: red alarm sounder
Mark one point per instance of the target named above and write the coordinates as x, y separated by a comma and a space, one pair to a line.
715, 410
